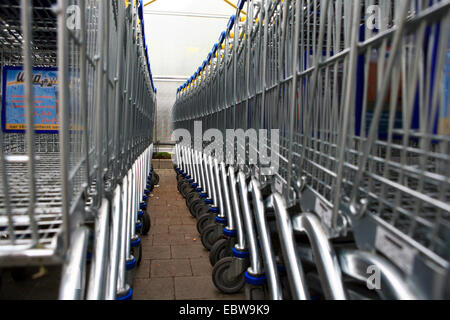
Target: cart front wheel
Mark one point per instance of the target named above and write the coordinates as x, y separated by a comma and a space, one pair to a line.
221, 279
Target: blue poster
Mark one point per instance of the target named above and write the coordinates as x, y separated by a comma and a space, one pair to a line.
45, 91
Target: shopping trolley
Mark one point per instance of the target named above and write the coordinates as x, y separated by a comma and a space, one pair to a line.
70, 186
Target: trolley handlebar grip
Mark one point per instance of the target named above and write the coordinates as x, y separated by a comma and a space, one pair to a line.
215, 47
240, 4
222, 37
231, 22
209, 56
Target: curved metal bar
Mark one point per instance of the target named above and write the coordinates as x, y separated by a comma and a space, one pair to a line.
219, 189
74, 270
356, 263
324, 255
113, 270
241, 243
270, 265
293, 264
255, 264
124, 247
97, 277
228, 212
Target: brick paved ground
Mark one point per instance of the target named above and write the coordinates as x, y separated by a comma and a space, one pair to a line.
174, 264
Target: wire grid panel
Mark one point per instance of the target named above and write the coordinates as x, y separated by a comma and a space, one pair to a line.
397, 147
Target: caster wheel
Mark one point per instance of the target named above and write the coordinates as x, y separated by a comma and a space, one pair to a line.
203, 221
185, 189
155, 178
201, 209
191, 197
221, 280
193, 206
137, 253
210, 236
146, 223
219, 250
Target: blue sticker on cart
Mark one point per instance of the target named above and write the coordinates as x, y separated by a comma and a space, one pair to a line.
45, 92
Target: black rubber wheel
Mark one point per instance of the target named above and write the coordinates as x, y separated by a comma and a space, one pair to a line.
155, 179
193, 206
146, 223
194, 195
201, 209
137, 253
209, 236
220, 277
219, 250
203, 221
186, 188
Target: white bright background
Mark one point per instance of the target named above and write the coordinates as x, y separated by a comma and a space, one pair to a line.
179, 35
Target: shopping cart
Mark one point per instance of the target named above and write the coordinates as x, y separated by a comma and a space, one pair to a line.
71, 185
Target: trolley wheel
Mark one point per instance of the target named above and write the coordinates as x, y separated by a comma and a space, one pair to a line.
220, 277
185, 189
146, 223
201, 209
209, 236
219, 250
191, 197
195, 206
203, 221
155, 178
137, 253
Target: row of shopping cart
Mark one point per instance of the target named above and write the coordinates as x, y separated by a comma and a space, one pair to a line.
78, 107
313, 149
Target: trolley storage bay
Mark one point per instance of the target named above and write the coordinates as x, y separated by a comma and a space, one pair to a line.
78, 105
346, 193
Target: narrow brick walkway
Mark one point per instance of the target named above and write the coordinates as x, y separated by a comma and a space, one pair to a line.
174, 263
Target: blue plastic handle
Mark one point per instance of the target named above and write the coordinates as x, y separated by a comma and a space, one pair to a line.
222, 37
215, 47
240, 4
204, 64
231, 22
209, 56
199, 70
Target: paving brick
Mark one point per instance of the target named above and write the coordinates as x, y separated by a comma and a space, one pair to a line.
169, 238
188, 251
154, 289
143, 271
159, 228
180, 228
201, 267
156, 252
200, 287
189, 220
170, 268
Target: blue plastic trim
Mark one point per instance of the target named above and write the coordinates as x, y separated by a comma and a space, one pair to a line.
143, 206
240, 4
126, 297
191, 181
208, 201
209, 56
198, 189
222, 37
137, 242
194, 185
138, 227
131, 264
215, 47
214, 210
229, 233
203, 195
281, 268
188, 177
140, 213
231, 22
240, 254
221, 220
255, 280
